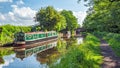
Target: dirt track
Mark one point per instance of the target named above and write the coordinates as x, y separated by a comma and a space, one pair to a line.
110, 60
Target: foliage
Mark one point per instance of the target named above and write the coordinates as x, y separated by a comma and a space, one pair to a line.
100, 34
112, 39
50, 19
86, 55
103, 15
8, 31
71, 20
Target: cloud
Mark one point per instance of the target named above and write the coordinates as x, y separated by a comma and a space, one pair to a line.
2, 17
25, 16
20, 2
6, 0
14, 6
24, 12
7, 60
18, 16
80, 16
58, 9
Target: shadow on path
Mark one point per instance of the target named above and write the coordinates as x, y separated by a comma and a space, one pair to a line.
110, 60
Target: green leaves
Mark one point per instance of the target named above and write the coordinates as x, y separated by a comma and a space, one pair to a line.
104, 16
50, 19
7, 34
71, 20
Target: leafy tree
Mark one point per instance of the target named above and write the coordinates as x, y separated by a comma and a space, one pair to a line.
71, 20
103, 16
50, 19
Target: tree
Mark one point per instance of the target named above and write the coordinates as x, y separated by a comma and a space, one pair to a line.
104, 16
71, 20
50, 19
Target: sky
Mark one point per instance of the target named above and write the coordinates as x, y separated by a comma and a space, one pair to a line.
22, 12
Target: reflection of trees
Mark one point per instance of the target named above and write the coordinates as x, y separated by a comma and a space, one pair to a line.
61, 45
71, 41
49, 56
3, 52
1, 60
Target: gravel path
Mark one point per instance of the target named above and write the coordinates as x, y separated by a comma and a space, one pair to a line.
110, 60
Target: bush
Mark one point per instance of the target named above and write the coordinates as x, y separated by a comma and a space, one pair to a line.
99, 34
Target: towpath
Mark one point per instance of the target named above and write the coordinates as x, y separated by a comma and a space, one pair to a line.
110, 60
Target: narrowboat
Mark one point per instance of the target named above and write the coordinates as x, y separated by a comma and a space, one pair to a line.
22, 38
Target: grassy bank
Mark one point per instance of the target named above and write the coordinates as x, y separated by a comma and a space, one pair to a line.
7, 34
113, 40
86, 55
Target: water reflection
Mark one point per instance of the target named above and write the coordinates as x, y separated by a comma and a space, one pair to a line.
40, 56
7, 60
28, 52
1, 60
48, 57
79, 40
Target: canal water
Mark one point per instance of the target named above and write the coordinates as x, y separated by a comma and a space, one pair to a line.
38, 58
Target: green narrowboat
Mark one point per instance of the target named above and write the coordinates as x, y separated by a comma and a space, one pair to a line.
22, 38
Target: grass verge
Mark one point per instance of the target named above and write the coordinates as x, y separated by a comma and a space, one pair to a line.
114, 41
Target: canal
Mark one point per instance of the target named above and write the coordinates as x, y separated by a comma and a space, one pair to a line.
38, 57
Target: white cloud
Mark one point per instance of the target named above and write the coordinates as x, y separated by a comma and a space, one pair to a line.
6, 0
20, 2
24, 12
80, 16
2, 17
14, 6
24, 16
18, 16
58, 9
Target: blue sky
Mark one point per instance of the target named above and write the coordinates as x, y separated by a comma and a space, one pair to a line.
21, 12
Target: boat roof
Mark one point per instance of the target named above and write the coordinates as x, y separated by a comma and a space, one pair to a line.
38, 32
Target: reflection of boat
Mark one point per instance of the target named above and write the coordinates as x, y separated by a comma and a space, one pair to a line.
23, 38
25, 52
